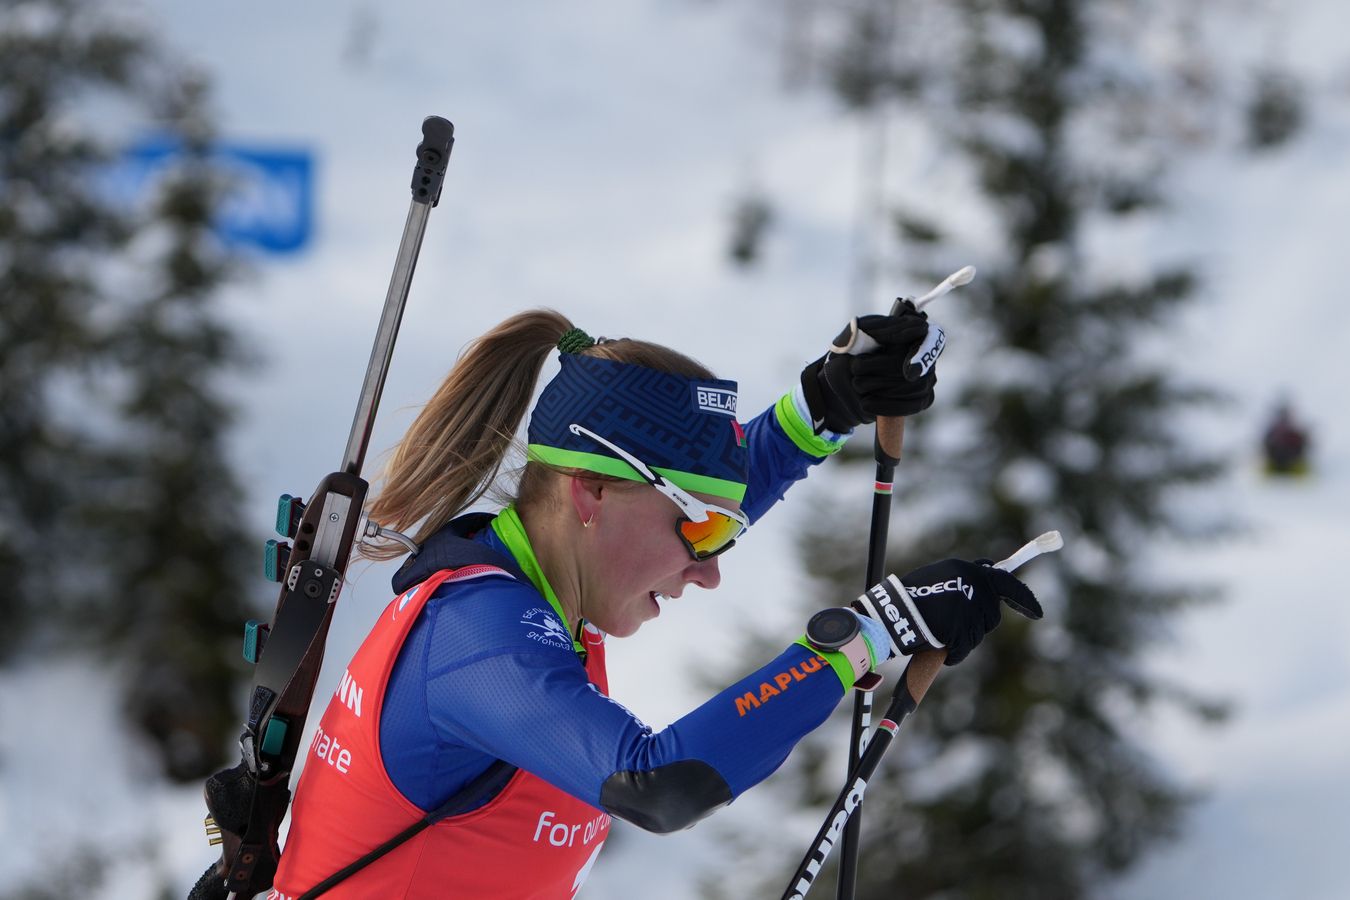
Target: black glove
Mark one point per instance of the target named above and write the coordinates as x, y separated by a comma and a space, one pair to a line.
951, 604
877, 366
211, 886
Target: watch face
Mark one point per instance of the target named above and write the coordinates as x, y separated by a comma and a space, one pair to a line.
831, 629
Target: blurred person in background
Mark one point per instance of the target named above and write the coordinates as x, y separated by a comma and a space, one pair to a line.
1286, 443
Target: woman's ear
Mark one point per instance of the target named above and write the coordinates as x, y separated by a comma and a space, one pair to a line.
586, 494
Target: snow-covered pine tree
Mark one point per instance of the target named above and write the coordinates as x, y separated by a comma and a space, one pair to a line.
119, 515
1020, 776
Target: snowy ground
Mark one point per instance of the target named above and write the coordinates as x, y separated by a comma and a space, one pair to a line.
571, 186
1275, 823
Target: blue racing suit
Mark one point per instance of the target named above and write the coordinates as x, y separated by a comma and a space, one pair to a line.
491, 671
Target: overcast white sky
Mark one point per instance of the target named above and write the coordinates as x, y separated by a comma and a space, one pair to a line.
599, 149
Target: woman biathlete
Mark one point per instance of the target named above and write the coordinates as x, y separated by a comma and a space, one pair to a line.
470, 749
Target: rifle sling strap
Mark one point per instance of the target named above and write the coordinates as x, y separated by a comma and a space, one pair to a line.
488, 784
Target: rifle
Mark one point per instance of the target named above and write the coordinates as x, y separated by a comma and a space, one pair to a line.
246, 803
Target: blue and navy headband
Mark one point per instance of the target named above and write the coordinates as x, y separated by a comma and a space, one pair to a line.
684, 428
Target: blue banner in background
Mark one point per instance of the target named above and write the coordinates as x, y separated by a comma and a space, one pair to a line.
269, 197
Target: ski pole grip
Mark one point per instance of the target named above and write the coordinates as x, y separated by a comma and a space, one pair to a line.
921, 671
433, 154
891, 435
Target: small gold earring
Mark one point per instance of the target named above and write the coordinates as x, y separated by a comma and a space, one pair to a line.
587, 523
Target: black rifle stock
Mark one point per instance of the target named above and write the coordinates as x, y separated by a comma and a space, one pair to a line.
248, 802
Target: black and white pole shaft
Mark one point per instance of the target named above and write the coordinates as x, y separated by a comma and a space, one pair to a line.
890, 440
923, 668
914, 684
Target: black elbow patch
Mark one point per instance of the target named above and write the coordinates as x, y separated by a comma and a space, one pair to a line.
666, 799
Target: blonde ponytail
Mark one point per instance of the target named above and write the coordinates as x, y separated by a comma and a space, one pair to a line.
451, 455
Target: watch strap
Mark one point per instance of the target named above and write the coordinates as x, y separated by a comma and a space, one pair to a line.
852, 662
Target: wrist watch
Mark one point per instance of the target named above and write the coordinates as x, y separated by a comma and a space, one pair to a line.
837, 630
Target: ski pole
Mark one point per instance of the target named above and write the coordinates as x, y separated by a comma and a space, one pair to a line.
247, 803
914, 684
890, 439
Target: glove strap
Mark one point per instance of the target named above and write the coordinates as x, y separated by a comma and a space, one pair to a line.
814, 397
793, 412
889, 603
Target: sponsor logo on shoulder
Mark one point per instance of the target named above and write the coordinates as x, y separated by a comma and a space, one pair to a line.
715, 400
405, 600
543, 626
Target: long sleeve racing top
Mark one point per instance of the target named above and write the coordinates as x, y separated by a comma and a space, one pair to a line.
490, 672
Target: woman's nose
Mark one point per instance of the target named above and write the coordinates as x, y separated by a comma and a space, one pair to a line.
704, 573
